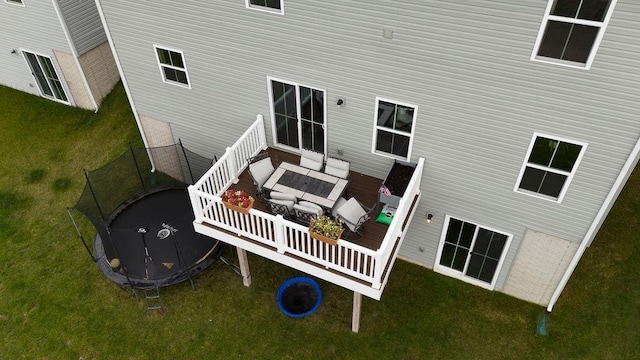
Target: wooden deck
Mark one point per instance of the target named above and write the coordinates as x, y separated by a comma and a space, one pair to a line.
364, 188
362, 267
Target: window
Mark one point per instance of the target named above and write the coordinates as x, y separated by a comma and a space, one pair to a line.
549, 167
571, 31
471, 253
172, 66
394, 128
275, 6
17, 2
46, 76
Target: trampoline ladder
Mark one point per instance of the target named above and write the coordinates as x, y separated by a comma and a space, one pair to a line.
152, 298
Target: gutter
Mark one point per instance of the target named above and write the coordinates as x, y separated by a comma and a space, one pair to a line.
74, 52
124, 82
625, 172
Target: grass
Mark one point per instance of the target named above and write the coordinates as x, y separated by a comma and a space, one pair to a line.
55, 303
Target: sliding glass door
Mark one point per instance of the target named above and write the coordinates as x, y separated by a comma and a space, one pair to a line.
298, 115
471, 252
46, 76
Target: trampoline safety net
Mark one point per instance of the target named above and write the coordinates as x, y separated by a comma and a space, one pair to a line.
110, 186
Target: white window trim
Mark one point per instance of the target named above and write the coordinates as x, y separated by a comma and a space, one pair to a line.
460, 274
570, 176
56, 67
280, 11
161, 65
596, 44
274, 130
21, 3
375, 129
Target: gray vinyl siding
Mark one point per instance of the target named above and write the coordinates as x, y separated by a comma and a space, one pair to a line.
84, 24
34, 27
464, 63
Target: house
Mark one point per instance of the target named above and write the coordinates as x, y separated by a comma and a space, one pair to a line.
56, 49
523, 119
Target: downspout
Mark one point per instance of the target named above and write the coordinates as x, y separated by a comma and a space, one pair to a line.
74, 52
626, 171
125, 83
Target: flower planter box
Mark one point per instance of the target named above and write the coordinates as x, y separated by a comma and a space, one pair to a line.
240, 209
323, 238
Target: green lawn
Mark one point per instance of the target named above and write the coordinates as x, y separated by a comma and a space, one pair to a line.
56, 304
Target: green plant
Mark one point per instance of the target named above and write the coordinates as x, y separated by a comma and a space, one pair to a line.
326, 226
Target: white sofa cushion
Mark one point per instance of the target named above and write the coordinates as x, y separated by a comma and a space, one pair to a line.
288, 203
315, 208
337, 168
341, 201
351, 212
282, 196
311, 159
261, 171
307, 209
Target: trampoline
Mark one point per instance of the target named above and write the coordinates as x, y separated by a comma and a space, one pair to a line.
154, 240
147, 240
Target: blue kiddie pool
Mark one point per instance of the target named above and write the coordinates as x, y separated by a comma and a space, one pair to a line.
299, 296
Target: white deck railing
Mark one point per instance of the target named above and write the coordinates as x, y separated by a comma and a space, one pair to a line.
285, 236
395, 228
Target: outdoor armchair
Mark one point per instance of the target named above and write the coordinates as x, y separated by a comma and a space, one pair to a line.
260, 169
281, 204
305, 210
354, 215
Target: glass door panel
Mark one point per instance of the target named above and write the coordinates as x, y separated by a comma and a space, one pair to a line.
312, 119
285, 113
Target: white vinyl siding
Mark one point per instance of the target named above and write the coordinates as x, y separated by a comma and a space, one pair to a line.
571, 31
83, 22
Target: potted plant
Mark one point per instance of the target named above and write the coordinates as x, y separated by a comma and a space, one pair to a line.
325, 228
237, 200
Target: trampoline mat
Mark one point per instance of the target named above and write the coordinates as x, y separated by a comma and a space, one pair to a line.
163, 222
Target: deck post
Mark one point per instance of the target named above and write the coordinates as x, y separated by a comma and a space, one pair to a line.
244, 266
357, 305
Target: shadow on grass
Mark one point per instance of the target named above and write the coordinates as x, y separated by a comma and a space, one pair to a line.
10, 203
34, 176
